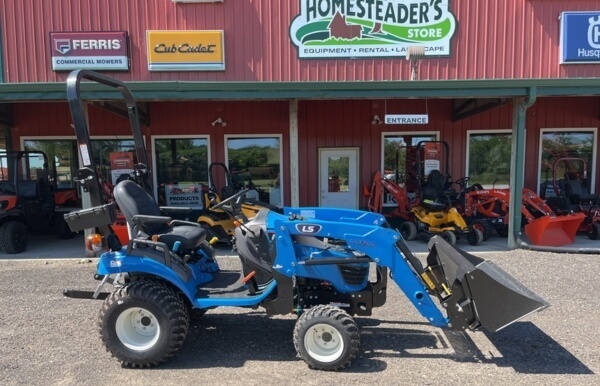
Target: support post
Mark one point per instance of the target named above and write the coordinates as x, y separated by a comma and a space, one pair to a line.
517, 163
294, 158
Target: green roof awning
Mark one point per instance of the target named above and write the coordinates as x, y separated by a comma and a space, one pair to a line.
150, 91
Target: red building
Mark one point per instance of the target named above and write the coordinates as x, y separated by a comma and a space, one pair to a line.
262, 87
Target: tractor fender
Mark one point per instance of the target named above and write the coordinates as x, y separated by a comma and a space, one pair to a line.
111, 263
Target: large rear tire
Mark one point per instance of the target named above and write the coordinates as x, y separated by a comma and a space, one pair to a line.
13, 237
143, 323
326, 338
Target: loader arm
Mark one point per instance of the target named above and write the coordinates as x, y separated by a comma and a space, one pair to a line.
475, 293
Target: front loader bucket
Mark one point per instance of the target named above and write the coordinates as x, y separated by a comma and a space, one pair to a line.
475, 292
554, 231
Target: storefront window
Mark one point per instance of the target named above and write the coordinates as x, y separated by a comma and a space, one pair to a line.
399, 160
488, 159
557, 144
181, 170
113, 158
255, 163
62, 163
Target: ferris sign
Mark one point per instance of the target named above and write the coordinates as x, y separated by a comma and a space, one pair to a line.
372, 28
89, 50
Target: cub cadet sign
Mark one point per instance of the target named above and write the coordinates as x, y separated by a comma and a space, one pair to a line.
371, 28
185, 50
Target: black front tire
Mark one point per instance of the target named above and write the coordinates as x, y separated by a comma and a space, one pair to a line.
449, 237
484, 226
62, 230
326, 338
408, 230
594, 231
13, 237
143, 323
475, 237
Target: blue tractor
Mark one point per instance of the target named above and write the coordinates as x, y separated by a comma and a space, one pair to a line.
324, 265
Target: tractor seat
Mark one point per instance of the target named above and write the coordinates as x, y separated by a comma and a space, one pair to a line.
433, 196
577, 192
146, 220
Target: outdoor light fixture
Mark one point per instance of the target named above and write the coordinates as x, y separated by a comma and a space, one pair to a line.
376, 120
414, 54
219, 120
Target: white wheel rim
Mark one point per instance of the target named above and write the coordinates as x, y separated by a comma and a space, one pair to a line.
137, 328
324, 343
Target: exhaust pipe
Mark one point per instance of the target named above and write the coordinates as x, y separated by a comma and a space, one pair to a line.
475, 292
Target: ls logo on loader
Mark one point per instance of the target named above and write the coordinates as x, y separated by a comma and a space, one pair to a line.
308, 228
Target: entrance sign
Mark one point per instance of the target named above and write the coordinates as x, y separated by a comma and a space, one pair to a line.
579, 37
371, 28
406, 119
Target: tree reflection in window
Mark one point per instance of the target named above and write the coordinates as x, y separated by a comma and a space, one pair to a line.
255, 163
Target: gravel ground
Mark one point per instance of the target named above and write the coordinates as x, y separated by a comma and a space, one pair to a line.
47, 339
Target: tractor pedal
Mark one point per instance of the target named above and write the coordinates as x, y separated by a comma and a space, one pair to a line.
250, 282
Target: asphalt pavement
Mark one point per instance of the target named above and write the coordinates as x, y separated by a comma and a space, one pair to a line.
47, 339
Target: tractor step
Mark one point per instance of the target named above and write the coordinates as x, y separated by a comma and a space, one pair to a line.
228, 289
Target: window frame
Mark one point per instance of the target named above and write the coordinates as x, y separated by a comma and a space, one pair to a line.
468, 149
282, 175
182, 136
591, 167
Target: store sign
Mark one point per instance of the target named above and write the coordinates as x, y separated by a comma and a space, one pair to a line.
406, 119
372, 28
579, 37
185, 50
89, 50
184, 196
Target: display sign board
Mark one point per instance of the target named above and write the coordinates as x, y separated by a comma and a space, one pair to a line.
579, 37
184, 196
121, 166
185, 50
432, 157
89, 50
364, 29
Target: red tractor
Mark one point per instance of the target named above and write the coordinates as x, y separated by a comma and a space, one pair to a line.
488, 209
572, 194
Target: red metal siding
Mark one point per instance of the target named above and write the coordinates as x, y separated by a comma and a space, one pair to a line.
494, 39
347, 124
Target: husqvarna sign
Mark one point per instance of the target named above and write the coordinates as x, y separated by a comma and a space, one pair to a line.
372, 28
580, 37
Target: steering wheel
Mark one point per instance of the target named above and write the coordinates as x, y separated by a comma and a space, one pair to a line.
462, 182
230, 200
140, 170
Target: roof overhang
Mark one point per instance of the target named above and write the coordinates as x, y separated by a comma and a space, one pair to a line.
152, 91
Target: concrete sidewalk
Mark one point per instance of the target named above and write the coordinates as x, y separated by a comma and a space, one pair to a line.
48, 247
